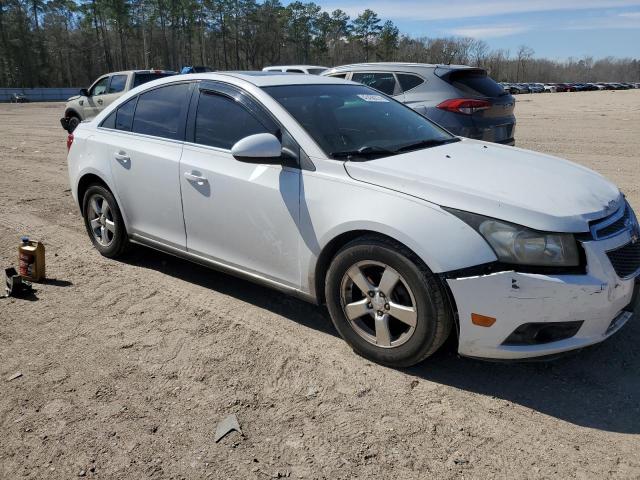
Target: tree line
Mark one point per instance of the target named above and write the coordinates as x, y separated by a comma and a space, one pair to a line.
53, 43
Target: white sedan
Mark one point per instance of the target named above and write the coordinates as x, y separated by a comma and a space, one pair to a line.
336, 193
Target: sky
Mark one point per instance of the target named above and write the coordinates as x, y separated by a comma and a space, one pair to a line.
556, 29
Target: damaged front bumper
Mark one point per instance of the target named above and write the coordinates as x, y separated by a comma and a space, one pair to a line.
597, 304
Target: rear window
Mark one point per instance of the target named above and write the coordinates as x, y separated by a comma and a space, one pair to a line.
140, 78
117, 84
160, 112
316, 71
383, 82
474, 82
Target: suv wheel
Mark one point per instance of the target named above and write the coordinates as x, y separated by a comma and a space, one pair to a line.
104, 222
386, 303
73, 123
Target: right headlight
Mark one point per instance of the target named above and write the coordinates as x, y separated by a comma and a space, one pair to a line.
518, 245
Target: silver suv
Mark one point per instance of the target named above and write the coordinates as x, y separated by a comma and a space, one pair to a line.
462, 99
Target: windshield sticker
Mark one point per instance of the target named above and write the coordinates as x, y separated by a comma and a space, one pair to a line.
373, 98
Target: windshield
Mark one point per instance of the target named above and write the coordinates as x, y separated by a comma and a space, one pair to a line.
354, 121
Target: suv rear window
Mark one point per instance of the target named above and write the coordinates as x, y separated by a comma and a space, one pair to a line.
474, 82
140, 78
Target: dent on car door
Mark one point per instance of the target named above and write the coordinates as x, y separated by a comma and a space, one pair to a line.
242, 215
143, 146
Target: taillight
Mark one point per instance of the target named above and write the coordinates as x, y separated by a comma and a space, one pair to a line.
69, 141
466, 106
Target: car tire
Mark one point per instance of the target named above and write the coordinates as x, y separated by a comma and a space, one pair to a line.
103, 221
73, 123
398, 322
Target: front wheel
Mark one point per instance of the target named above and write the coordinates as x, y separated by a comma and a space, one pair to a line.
386, 303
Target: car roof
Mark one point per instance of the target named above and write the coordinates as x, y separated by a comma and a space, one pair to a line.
390, 66
126, 72
296, 66
259, 78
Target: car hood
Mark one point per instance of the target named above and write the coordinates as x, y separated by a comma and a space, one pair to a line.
75, 97
520, 186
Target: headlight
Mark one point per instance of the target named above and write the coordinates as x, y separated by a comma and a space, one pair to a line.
515, 244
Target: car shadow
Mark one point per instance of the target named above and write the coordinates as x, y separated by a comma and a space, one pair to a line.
597, 387
299, 311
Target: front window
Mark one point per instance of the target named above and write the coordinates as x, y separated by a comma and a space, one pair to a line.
100, 87
355, 122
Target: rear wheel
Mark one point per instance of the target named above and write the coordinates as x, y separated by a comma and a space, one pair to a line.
386, 303
103, 221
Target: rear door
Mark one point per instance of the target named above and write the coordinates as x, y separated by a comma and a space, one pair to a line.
241, 215
143, 146
498, 121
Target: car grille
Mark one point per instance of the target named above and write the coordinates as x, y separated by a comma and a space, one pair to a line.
626, 259
623, 219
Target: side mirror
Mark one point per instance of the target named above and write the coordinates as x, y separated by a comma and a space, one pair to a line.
84, 92
261, 148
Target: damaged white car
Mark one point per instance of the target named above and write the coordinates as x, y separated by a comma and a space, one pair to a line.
336, 193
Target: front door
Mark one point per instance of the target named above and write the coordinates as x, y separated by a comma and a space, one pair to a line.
242, 215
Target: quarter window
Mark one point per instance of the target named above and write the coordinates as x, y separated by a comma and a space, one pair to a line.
407, 81
161, 112
117, 84
383, 82
221, 121
124, 115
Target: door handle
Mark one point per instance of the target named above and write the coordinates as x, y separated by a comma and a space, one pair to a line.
192, 177
100, 101
121, 157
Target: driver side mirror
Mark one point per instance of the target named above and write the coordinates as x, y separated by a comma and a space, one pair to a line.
84, 92
261, 148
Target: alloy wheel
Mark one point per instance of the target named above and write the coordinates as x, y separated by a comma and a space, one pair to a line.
100, 216
378, 304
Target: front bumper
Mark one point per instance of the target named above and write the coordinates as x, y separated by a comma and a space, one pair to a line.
600, 299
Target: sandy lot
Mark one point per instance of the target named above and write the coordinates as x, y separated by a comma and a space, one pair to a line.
127, 366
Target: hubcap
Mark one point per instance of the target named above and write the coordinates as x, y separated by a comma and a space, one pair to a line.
378, 303
101, 221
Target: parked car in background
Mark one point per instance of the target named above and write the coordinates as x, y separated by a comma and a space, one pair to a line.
464, 100
19, 98
565, 87
104, 91
308, 69
550, 88
535, 87
196, 69
336, 193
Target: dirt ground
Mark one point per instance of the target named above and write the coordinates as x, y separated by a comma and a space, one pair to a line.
127, 366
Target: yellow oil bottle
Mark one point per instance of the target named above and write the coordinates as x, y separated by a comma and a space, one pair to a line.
31, 260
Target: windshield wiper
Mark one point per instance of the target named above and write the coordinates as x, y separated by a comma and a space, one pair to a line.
426, 144
368, 151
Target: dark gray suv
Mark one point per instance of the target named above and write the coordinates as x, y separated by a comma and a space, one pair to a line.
462, 99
